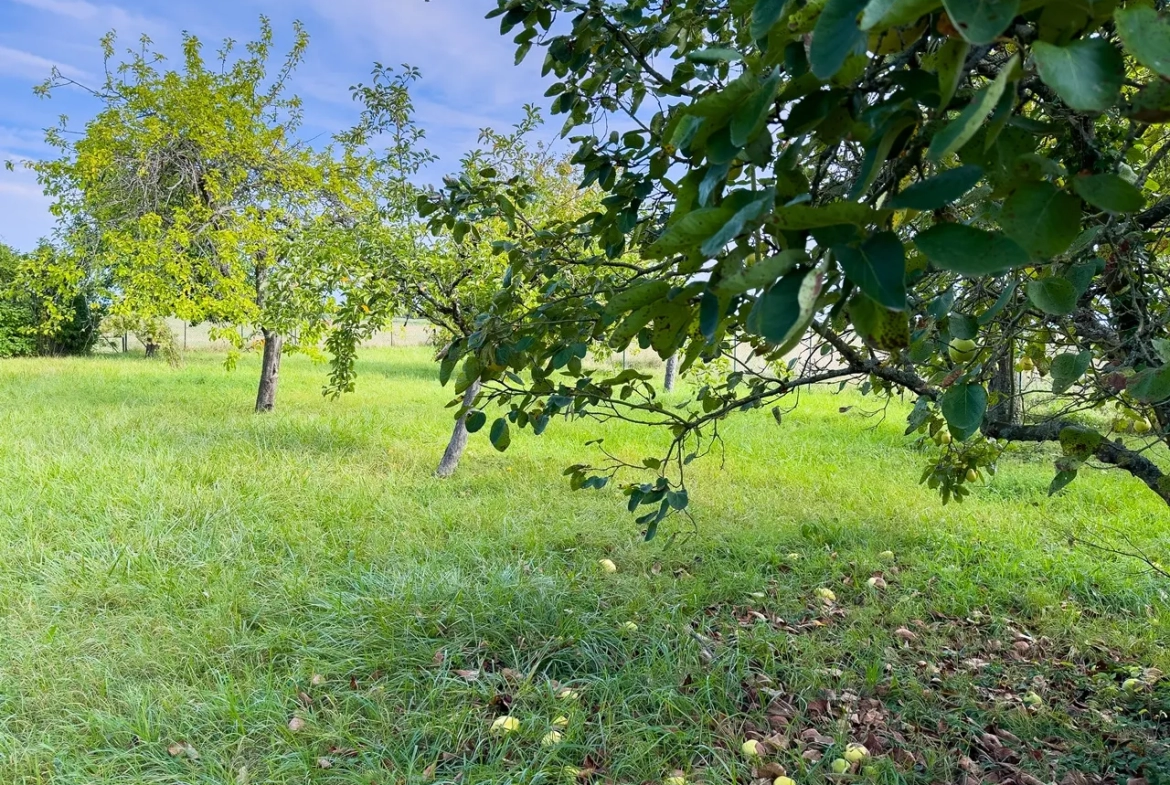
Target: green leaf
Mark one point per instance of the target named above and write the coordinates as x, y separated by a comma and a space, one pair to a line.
1000, 303
782, 310
969, 251
877, 153
940, 190
960, 130
952, 56
720, 104
715, 54
803, 216
475, 421
1152, 386
1042, 219
1147, 37
765, 15
710, 312
754, 112
963, 406
1068, 368
1079, 442
879, 326
669, 326
1087, 73
730, 230
1061, 480
981, 21
500, 435
883, 14
636, 296
1109, 192
690, 230
878, 267
835, 37
763, 273
1056, 296
624, 333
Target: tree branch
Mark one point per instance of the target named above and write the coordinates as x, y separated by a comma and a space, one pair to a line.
1112, 453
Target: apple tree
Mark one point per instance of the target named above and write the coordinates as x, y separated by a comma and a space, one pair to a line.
921, 197
192, 195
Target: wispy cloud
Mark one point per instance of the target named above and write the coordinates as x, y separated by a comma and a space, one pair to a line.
75, 9
26, 65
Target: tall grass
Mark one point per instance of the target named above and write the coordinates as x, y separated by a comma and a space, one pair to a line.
180, 579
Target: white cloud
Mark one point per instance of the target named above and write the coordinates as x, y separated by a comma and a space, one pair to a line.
26, 65
97, 19
75, 9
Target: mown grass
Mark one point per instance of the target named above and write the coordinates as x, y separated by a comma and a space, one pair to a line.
176, 572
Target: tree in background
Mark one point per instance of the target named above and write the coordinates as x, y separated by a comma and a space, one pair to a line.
905, 195
450, 278
191, 196
53, 318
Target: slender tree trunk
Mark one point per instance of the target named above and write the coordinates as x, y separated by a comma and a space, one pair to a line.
269, 370
671, 368
1005, 384
458, 442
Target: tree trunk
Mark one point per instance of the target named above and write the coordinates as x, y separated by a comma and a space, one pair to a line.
671, 367
1005, 384
269, 370
458, 442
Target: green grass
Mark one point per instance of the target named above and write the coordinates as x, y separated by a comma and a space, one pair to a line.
176, 570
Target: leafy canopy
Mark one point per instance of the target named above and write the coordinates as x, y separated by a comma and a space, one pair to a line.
845, 188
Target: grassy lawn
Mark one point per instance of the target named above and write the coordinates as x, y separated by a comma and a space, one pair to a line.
190, 593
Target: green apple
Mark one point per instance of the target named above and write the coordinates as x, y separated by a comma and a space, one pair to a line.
839, 766
856, 752
784, 781
551, 738
607, 565
962, 350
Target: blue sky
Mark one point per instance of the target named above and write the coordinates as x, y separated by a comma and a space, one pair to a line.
469, 80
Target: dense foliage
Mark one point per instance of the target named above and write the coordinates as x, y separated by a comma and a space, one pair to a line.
188, 194
914, 195
50, 320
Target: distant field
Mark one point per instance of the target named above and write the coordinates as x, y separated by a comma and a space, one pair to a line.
190, 593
